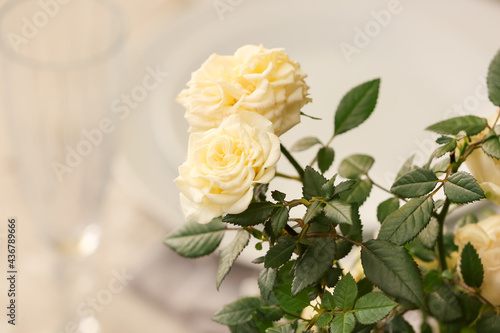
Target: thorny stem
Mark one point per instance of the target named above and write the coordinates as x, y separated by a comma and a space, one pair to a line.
290, 230
478, 295
282, 175
379, 186
293, 161
440, 241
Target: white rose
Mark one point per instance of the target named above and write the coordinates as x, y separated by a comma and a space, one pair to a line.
224, 164
485, 169
254, 79
485, 237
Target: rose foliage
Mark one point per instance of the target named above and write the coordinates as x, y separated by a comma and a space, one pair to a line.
422, 264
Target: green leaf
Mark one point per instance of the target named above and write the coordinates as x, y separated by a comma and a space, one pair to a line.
393, 270
491, 146
444, 304
415, 183
328, 189
421, 252
353, 232
313, 211
432, 281
471, 307
343, 323
278, 196
345, 293
386, 208
461, 187
359, 192
313, 183
287, 328
471, 267
279, 219
238, 312
425, 327
493, 80
444, 140
428, 236
373, 307
305, 143
356, 106
324, 319
400, 325
325, 158
344, 186
266, 281
194, 240
338, 211
355, 165
259, 192
258, 260
448, 147
406, 167
282, 291
470, 124
268, 314
279, 254
313, 264
256, 213
248, 327
229, 253
440, 166
488, 323
406, 223
364, 287
327, 301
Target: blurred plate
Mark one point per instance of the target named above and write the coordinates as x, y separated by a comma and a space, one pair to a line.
432, 58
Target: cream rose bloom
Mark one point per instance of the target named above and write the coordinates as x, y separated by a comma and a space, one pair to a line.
485, 169
224, 164
485, 237
256, 79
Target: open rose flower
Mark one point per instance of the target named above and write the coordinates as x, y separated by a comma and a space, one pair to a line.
485, 169
224, 164
485, 237
256, 79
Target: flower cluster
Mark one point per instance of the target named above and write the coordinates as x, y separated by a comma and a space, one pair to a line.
237, 106
256, 79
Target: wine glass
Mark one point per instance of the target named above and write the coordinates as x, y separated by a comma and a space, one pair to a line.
62, 66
